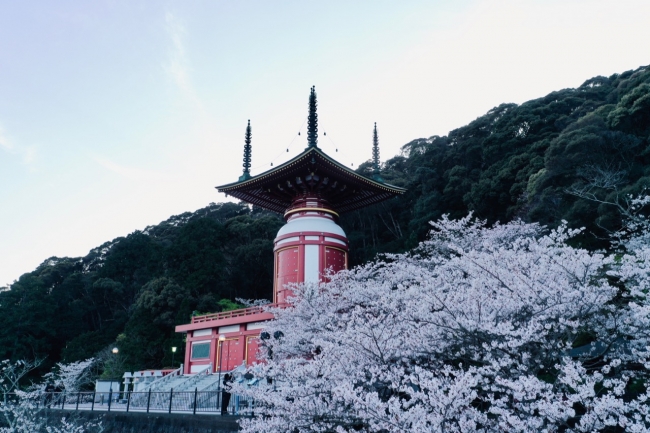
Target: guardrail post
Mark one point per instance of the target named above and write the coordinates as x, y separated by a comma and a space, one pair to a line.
78, 397
128, 400
92, 407
148, 400
171, 395
196, 391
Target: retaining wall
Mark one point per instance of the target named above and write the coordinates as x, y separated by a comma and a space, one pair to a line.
138, 422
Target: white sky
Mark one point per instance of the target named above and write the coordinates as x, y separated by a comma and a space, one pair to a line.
115, 115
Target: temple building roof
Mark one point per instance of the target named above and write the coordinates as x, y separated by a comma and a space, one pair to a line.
314, 173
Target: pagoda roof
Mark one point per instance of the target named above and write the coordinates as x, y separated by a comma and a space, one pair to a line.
313, 172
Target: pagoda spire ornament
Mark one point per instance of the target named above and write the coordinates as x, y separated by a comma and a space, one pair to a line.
247, 153
312, 120
375, 156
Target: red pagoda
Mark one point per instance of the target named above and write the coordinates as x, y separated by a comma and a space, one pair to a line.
310, 190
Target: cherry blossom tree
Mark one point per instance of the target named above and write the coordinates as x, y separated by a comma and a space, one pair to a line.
11, 373
71, 376
26, 416
23, 411
504, 328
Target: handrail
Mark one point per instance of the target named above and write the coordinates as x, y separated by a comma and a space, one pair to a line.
189, 383
230, 314
208, 390
166, 378
214, 386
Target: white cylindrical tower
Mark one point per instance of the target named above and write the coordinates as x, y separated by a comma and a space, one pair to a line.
308, 245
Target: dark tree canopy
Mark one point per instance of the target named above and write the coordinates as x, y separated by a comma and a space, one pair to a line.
133, 290
520, 161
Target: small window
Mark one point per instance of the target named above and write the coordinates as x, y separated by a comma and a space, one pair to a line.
201, 350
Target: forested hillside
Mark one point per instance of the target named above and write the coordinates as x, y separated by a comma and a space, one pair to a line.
521, 161
133, 290
572, 155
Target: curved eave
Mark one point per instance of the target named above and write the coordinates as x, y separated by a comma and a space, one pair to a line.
252, 190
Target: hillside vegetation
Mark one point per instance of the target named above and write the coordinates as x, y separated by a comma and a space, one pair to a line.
520, 161
130, 292
572, 155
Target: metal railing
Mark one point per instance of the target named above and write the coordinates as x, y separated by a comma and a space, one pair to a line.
206, 402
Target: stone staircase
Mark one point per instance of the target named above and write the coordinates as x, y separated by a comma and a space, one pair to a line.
200, 381
174, 383
157, 392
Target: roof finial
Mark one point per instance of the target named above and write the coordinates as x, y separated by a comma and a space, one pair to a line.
312, 120
247, 153
375, 156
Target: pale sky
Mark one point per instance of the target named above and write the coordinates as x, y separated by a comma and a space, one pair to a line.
115, 115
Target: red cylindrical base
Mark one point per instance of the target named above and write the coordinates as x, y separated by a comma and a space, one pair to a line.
309, 246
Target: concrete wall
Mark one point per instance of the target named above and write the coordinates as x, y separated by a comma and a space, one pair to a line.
136, 422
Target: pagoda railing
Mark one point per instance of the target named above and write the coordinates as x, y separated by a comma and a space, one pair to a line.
230, 314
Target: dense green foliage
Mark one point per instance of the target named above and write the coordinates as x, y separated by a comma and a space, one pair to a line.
517, 161
520, 161
132, 291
